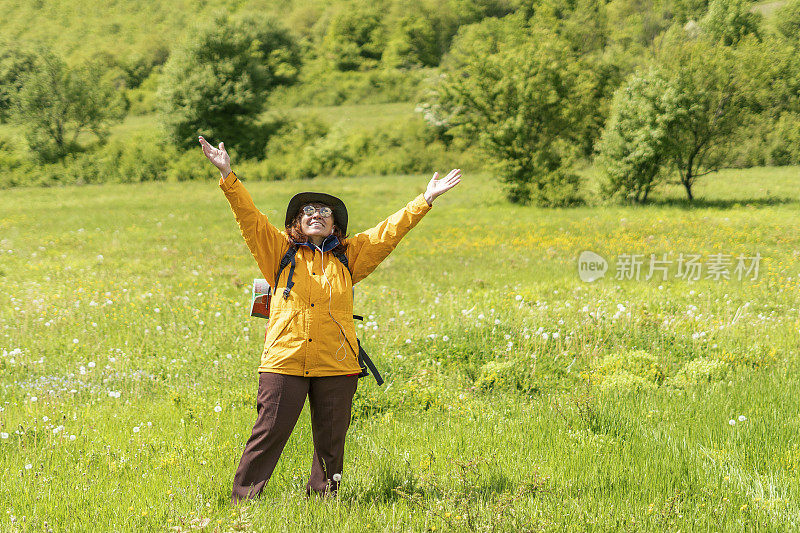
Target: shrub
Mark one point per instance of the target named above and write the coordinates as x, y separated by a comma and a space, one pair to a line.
526, 103
701, 370
633, 147
626, 371
355, 38
216, 82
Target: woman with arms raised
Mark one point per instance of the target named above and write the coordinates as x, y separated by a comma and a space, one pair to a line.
310, 347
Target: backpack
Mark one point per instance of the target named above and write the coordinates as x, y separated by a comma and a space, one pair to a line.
262, 294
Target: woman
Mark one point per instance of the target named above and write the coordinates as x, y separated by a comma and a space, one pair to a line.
310, 347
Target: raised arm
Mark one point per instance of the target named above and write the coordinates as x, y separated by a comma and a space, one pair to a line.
367, 249
265, 241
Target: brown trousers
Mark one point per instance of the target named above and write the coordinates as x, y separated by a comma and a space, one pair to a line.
279, 403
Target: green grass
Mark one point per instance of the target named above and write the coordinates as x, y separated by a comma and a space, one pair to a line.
470, 433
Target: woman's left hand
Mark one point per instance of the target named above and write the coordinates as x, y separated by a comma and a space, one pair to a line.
442, 185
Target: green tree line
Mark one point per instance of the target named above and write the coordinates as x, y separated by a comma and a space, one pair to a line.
647, 91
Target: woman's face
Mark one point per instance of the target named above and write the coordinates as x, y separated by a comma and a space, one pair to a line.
316, 224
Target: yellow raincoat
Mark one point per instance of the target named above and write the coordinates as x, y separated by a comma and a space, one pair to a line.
311, 333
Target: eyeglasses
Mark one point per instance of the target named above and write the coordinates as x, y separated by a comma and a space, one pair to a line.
324, 211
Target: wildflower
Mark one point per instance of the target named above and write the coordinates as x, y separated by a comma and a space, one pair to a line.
217, 409
72, 437
3, 435
337, 477
136, 429
156, 310
91, 364
518, 297
742, 418
496, 321
34, 398
445, 338
74, 341
480, 316
217, 313
732, 422
99, 257
28, 466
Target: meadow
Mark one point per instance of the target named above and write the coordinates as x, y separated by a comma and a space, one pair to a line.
517, 397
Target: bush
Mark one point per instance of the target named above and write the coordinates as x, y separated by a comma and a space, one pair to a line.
321, 87
701, 370
626, 371
526, 103
769, 142
787, 20
140, 158
143, 99
632, 150
308, 147
216, 82
356, 37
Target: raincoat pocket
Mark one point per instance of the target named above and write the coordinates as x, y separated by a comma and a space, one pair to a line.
348, 327
283, 326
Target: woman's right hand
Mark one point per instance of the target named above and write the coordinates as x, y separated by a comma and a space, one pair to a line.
218, 156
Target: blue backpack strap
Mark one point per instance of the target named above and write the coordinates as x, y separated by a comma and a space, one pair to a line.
343, 259
287, 259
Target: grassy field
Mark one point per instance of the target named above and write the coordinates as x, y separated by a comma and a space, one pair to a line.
518, 397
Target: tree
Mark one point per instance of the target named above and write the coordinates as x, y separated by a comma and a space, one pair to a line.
14, 63
413, 41
524, 105
710, 80
356, 38
217, 80
729, 21
787, 20
682, 115
633, 149
55, 105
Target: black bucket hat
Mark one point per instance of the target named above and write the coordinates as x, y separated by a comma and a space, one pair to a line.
303, 198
